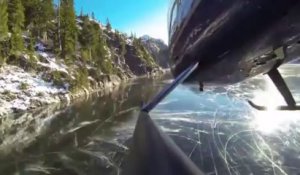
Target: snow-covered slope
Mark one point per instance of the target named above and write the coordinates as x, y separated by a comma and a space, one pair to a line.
20, 90
30, 79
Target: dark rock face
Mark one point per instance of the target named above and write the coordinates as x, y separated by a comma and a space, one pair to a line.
130, 62
117, 56
21, 61
136, 65
158, 49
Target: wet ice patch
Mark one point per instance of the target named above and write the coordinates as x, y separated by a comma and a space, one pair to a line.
81, 125
168, 130
272, 121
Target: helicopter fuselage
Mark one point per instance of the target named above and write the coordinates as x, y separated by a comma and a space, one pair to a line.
232, 40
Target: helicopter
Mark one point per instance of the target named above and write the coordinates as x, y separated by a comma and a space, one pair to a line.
235, 40
218, 42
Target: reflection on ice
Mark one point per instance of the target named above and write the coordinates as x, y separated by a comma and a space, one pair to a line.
272, 121
170, 130
168, 102
224, 135
217, 129
269, 97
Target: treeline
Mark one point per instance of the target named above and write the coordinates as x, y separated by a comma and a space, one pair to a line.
88, 48
25, 22
25, 19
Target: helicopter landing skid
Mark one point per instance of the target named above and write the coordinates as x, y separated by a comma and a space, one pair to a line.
280, 84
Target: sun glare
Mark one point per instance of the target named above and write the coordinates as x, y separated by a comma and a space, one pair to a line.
272, 120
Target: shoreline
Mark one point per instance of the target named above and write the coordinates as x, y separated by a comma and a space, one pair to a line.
63, 96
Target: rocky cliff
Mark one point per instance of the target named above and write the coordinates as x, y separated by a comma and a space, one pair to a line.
158, 49
31, 79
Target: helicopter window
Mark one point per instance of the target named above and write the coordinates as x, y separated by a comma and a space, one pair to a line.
173, 15
178, 11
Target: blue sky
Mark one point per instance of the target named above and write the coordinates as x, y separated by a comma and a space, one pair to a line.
136, 16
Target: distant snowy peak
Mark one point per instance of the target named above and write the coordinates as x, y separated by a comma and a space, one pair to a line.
145, 37
149, 38
155, 45
157, 48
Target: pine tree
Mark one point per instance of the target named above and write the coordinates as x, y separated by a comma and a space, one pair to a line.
108, 25
121, 40
94, 45
56, 31
87, 36
81, 12
3, 19
31, 8
16, 24
3, 30
38, 16
68, 27
95, 41
46, 16
93, 15
142, 52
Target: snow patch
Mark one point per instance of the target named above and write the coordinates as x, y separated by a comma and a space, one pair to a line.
52, 63
108, 52
40, 47
129, 41
20, 90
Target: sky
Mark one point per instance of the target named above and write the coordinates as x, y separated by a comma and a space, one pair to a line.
130, 16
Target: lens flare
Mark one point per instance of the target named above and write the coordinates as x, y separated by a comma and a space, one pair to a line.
272, 120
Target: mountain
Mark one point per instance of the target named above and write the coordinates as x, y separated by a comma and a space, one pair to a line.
127, 53
158, 49
99, 57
